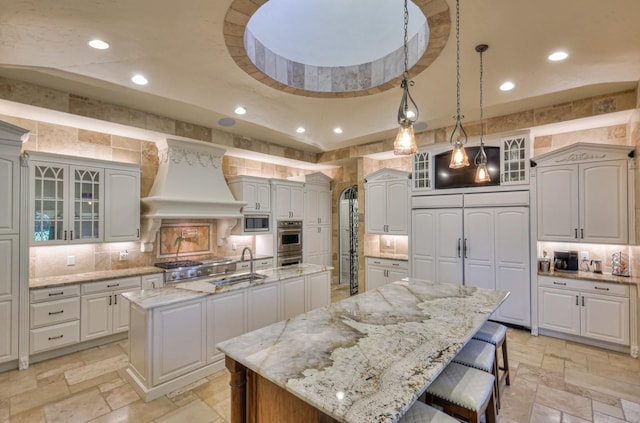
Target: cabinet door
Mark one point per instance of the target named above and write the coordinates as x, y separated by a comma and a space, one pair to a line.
8, 331
311, 205
283, 202
423, 246
318, 290
557, 194
96, 316
226, 319
263, 197
250, 195
605, 318
558, 310
448, 241
478, 247
8, 266
603, 202
179, 340
9, 194
293, 297
122, 206
396, 275
263, 302
397, 202
297, 203
375, 217
512, 264
49, 185
375, 277
153, 281
120, 312
86, 205
324, 207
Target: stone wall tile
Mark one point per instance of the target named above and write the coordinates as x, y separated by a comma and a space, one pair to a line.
126, 143
88, 107
160, 124
125, 156
56, 138
189, 130
510, 122
93, 137
582, 108
542, 142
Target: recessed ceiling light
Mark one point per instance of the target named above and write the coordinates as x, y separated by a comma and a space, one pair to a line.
240, 110
139, 79
300, 130
337, 130
557, 56
99, 44
227, 122
507, 86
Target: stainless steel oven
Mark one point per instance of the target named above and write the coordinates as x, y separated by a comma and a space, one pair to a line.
289, 259
289, 237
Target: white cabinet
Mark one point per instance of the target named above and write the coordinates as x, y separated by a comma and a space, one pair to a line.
289, 199
256, 192
317, 245
9, 193
380, 272
585, 198
387, 202
317, 220
318, 290
487, 247
122, 205
293, 297
54, 318
8, 297
258, 264
263, 302
589, 309
226, 319
152, 281
67, 200
103, 309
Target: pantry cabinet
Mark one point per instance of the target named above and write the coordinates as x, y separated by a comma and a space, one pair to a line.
381, 271
582, 194
595, 310
289, 199
317, 220
387, 202
256, 192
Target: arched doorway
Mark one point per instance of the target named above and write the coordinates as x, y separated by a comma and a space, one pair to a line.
348, 238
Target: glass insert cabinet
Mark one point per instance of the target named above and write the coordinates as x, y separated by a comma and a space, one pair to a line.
67, 203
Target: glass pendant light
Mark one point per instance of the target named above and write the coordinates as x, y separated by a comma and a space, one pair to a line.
482, 173
405, 142
459, 135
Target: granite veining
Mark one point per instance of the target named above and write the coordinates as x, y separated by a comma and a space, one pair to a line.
50, 281
591, 276
184, 291
368, 357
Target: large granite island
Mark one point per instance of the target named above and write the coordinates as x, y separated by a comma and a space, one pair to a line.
364, 359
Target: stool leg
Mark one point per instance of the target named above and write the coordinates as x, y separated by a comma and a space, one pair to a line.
505, 360
496, 384
490, 411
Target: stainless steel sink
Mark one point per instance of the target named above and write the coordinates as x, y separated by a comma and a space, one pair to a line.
237, 278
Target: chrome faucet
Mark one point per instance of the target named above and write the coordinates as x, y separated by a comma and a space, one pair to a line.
250, 262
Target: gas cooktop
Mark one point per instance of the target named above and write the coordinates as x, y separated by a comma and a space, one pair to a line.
183, 270
177, 264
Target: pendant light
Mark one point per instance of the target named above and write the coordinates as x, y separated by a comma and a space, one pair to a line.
482, 173
459, 135
405, 142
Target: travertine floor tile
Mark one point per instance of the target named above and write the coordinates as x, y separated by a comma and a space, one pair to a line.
517, 401
572, 346
196, 411
602, 384
138, 412
45, 394
17, 382
34, 415
577, 357
121, 396
564, 401
603, 418
541, 376
95, 382
607, 409
102, 353
568, 418
553, 364
631, 411
594, 395
542, 414
95, 369
79, 408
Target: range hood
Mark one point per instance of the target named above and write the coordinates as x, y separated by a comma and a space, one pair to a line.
189, 185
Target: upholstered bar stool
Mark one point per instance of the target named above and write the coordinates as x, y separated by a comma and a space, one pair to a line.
496, 334
422, 413
464, 391
482, 356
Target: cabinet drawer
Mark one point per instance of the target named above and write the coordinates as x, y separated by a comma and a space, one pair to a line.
111, 285
392, 264
560, 283
604, 288
51, 312
55, 336
48, 294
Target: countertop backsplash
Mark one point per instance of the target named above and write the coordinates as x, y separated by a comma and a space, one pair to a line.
602, 252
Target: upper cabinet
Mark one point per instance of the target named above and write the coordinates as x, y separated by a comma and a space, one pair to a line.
67, 198
387, 202
255, 191
582, 194
317, 199
9, 192
288, 198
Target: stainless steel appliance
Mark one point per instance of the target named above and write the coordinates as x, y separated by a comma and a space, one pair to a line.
289, 242
255, 223
597, 266
565, 261
189, 270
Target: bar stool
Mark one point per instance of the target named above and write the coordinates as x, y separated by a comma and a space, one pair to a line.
496, 334
422, 413
480, 355
464, 391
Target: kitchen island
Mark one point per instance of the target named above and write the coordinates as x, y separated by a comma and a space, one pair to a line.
364, 359
173, 331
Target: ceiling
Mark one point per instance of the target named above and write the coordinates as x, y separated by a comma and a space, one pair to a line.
179, 47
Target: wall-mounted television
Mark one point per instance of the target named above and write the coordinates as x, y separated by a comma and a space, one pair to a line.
446, 178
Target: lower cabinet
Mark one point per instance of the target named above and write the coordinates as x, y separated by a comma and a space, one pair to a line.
152, 281
103, 309
593, 310
54, 316
263, 302
9, 286
293, 297
258, 264
380, 272
318, 290
220, 325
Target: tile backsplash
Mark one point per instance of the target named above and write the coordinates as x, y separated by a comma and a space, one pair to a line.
602, 252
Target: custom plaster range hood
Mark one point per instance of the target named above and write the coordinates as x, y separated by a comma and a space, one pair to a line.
190, 186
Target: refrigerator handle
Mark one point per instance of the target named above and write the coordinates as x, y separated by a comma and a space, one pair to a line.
459, 240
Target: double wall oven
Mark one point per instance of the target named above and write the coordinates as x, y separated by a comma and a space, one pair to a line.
289, 235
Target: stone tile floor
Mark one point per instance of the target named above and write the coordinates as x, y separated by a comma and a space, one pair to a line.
552, 381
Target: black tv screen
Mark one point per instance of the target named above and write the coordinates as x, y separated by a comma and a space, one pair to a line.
446, 178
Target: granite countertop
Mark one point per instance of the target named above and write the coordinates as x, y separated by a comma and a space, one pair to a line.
238, 258
388, 256
184, 291
590, 276
367, 358
50, 281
